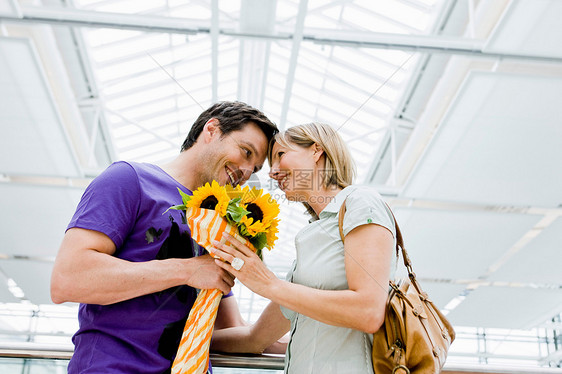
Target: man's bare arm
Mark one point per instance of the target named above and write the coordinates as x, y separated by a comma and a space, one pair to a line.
86, 271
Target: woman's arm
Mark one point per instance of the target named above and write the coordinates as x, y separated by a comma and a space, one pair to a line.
270, 327
368, 251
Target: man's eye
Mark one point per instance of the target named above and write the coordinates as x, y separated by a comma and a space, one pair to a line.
247, 152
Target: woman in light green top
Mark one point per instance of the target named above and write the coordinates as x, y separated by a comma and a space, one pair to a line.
334, 296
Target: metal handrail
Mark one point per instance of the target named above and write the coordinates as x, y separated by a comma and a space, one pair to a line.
64, 352
30, 350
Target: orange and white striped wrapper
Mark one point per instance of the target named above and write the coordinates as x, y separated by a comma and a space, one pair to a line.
193, 352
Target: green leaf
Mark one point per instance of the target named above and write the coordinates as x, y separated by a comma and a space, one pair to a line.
176, 207
184, 197
259, 241
236, 212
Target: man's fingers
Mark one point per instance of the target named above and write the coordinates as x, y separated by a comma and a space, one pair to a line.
229, 280
226, 266
225, 289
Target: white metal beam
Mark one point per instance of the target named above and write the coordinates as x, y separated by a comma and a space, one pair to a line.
82, 52
297, 39
418, 43
11, 8
214, 49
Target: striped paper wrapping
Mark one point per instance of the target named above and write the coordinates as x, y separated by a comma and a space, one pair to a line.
193, 352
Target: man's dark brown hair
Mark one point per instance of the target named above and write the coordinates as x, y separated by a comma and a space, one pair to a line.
232, 116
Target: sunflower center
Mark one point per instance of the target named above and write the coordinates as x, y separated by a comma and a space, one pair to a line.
210, 202
255, 212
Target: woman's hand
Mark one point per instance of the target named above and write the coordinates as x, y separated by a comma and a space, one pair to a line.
253, 273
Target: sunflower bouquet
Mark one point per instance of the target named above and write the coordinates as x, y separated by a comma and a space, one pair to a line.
248, 215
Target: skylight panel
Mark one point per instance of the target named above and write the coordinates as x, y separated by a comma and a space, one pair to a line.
120, 71
174, 122
390, 94
125, 131
286, 12
276, 78
109, 55
132, 141
97, 38
227, 89
132, 81
367, 120
328, 17
312, 78
138, 152
128, 7
391, 56
302, 110
332, 116
365, 64
398, 13
346, 89
363, 20
314, 54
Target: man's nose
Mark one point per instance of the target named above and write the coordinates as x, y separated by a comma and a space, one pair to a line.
246, 172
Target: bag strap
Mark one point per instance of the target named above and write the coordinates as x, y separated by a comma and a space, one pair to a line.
399, 244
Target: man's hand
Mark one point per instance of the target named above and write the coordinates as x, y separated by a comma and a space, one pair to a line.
206, 274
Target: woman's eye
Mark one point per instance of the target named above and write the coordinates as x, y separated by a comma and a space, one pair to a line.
247, 152
279, 154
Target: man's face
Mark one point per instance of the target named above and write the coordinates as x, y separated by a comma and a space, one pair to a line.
234, 157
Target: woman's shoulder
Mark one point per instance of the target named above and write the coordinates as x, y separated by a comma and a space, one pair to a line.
363, 192
364, 204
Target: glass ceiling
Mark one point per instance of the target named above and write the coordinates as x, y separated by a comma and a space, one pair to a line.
153, 85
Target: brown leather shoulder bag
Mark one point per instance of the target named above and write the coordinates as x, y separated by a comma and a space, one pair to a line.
415, 336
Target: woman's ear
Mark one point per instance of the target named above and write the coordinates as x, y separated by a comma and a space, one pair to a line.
211, 129
318, 152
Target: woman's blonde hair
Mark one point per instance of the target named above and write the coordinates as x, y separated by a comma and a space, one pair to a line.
339, 168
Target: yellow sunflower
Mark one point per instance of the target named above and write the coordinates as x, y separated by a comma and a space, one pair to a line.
262, 208
248, 194
252, 227
233, 192
271, 233
210, 196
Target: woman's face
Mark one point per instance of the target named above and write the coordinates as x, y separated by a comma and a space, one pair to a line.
294, 170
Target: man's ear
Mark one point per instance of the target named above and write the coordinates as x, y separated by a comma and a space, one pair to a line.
211, 129
318, 152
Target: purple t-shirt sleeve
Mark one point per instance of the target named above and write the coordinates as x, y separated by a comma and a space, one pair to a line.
110, 203
228, 295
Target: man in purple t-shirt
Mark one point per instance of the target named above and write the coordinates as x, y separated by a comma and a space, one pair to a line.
135, 270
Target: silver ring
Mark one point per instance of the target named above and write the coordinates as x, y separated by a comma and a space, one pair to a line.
237, 263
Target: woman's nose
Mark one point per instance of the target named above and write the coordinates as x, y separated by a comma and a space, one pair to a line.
274, 171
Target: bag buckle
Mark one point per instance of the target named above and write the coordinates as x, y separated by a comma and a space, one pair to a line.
396, 368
